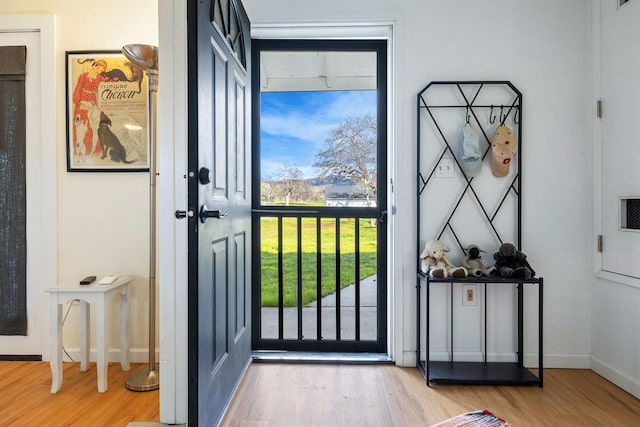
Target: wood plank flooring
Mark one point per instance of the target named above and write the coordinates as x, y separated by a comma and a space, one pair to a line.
304, 395
26, 400
386, 395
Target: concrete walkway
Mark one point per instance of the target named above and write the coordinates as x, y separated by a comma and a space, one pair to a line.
368, 315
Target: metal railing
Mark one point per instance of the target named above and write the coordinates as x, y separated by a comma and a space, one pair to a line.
315, 280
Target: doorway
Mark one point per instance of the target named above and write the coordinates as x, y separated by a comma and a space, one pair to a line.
319, 210
36, 32
173, 249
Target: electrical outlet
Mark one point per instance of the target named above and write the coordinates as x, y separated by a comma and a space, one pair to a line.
445, 169
469, 295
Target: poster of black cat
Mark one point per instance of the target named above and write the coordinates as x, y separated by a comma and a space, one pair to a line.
107, 113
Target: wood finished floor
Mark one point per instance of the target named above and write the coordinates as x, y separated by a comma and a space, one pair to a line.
26, 399
317, 395
384, 395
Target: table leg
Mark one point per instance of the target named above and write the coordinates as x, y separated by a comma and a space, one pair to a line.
55, 347
102, 330
124, 329
85, 335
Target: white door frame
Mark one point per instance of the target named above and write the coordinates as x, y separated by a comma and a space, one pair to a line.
381, 30
42, 191
172, 196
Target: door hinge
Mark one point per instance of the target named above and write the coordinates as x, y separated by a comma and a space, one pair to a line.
599, 108
600, 243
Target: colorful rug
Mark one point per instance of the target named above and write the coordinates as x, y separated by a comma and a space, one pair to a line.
479, 418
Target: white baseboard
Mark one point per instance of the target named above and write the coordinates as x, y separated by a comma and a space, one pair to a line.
564, 361
619, 378
136, 355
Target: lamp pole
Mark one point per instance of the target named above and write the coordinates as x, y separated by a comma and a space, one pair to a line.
146, 57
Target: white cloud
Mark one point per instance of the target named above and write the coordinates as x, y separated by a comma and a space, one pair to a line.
302, 130
271, 167
298, 126
352, 104
315, 126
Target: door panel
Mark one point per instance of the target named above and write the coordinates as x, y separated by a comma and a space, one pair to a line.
239, 121
219, 337
241, 289
220, 77
620, 173
220, 280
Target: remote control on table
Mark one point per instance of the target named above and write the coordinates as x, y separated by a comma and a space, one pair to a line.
87, 280
107, 280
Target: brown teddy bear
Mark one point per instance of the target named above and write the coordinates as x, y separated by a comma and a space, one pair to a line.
510, 262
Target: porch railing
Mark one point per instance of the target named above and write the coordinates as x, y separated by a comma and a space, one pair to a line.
315, 280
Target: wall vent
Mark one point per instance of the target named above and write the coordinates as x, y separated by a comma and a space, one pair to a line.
630, 214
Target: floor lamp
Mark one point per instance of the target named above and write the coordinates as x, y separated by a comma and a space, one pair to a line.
146, 57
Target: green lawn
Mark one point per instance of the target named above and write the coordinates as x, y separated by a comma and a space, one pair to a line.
269, 260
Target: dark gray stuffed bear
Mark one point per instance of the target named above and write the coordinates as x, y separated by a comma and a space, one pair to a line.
510, 262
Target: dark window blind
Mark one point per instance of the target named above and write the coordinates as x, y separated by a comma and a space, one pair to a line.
13, 221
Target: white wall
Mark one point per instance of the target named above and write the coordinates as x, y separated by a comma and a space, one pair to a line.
102, 217
543, 47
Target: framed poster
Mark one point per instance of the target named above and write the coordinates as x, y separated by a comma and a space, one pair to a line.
107, 113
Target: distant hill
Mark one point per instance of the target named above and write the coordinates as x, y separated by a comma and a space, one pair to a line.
319, 181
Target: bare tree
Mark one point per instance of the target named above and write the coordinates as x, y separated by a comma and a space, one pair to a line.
287, 184
268, 191
351, 154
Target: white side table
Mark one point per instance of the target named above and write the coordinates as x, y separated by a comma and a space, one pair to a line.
89, 294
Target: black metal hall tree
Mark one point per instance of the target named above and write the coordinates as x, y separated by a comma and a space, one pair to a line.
460, 210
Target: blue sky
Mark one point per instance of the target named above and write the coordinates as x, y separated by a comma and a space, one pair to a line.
295, 125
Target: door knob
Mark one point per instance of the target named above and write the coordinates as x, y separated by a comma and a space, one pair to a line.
206, 213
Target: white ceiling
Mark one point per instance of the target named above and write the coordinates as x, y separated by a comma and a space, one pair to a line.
291, 71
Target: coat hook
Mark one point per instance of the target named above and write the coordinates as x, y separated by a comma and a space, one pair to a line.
516, 116
502, 118
468, 117
492, 117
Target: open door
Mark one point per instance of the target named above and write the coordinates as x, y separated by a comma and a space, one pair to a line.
219, 232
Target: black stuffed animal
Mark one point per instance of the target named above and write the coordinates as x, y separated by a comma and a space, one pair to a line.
510, 262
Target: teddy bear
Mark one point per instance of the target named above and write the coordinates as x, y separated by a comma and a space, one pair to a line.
435, 263
510, 262
473, 262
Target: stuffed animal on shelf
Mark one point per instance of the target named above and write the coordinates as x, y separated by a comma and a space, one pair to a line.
472, 261
510, 262
435, 263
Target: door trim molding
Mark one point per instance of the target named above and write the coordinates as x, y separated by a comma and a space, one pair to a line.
373, 29
323, 30
42, 193
172, 237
